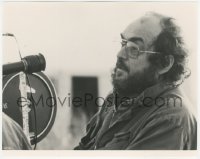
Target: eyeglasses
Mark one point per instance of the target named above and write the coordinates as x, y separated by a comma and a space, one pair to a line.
132, 50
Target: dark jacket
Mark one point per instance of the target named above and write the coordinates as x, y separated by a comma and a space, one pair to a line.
158, 119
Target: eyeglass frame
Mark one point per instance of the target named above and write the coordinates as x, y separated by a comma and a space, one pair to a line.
124, 43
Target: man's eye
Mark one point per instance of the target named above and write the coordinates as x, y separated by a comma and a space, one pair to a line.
133, 48
123, 43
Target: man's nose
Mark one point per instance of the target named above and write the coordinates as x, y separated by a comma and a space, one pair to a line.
122, 53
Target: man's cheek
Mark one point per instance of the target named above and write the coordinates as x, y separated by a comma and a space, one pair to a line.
138, 67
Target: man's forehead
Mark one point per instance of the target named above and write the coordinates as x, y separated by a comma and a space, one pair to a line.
147, 28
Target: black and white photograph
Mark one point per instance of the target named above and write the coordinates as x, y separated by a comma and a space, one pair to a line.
99, 76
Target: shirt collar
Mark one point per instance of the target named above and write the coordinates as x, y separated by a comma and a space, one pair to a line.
151, 92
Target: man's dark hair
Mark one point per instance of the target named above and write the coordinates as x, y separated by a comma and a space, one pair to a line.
170, 42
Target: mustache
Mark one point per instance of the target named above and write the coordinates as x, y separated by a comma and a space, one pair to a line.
120, 64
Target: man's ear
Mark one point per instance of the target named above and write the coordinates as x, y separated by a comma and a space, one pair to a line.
168, 66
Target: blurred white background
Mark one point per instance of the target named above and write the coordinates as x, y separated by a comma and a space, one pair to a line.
82, 38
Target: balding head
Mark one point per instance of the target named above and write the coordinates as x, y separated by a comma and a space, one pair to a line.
147, 28
152, 51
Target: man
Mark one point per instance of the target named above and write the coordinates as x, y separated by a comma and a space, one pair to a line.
146, 110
